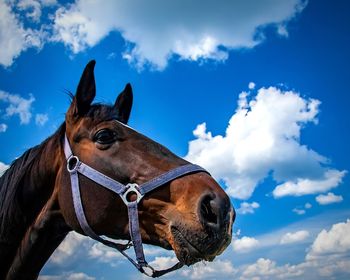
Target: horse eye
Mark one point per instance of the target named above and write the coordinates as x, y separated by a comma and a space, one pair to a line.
105, 136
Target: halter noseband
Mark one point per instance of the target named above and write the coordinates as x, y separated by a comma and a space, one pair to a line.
75, 166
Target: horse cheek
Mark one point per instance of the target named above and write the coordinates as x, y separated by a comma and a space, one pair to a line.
65, 200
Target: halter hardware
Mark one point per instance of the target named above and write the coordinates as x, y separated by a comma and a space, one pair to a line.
75, 166
131, 189
72, 163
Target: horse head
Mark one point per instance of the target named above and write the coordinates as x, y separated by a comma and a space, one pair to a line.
191, 215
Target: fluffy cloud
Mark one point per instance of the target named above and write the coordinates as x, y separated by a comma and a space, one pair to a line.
33, 8
336, 241
299, 211
301, 186
3, 127
262, 138
14, 37
294, 237
302, 210
73, 246
248, 208
105, 254
213, 270
41, 119
161, 263
244, 244
328, 198
17, 105
268, 269
3, 168
156, 30
328, 256
308, 205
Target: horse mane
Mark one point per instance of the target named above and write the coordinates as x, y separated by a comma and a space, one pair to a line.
13, 218
12, 215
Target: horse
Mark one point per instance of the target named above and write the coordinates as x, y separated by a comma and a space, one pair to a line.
189, 213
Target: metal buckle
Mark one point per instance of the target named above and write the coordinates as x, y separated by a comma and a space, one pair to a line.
131, 188
72, 164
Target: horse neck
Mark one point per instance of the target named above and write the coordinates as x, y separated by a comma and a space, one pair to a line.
27, 185
24, 190
41, 175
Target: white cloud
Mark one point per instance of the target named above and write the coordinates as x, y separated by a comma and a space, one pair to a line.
282, 30
112, 55
41, 119
17, 105
213, 270
328, 198
294, 237
14, 37
156, 30
302, 210
161, 263
33, 8
251, 85
3, 127
328, 255
333, 242
268, 269
263, 138
245, 244
248, 208
76, 247
308, 205
3, 168
301, 186
70, 248
105, 254
328, 269
299, 211
67, 276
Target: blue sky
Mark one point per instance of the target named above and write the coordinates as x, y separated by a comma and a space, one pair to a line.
255, 91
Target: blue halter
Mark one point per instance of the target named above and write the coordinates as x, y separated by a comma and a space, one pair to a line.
75, 166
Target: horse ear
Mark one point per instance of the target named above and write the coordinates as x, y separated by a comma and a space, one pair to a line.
123, 104
86, 91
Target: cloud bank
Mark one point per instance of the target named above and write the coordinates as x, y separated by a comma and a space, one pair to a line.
14, 36
262, 138
154, 31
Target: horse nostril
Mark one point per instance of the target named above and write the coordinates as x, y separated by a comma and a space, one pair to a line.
215, 212
208, 211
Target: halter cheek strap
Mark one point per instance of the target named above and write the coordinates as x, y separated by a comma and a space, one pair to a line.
75, 167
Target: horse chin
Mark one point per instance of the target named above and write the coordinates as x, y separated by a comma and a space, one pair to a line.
185, 249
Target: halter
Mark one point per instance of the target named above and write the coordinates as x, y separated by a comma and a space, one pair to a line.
75, 166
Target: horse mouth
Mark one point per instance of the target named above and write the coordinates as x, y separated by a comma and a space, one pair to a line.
187, 252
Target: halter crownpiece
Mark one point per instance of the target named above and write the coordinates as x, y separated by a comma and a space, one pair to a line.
75, 166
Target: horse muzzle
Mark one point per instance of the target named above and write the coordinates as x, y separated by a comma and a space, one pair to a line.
215, 217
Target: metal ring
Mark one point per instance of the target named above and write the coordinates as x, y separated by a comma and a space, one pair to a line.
131, 188
72, 160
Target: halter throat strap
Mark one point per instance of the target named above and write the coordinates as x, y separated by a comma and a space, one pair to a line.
75, 167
